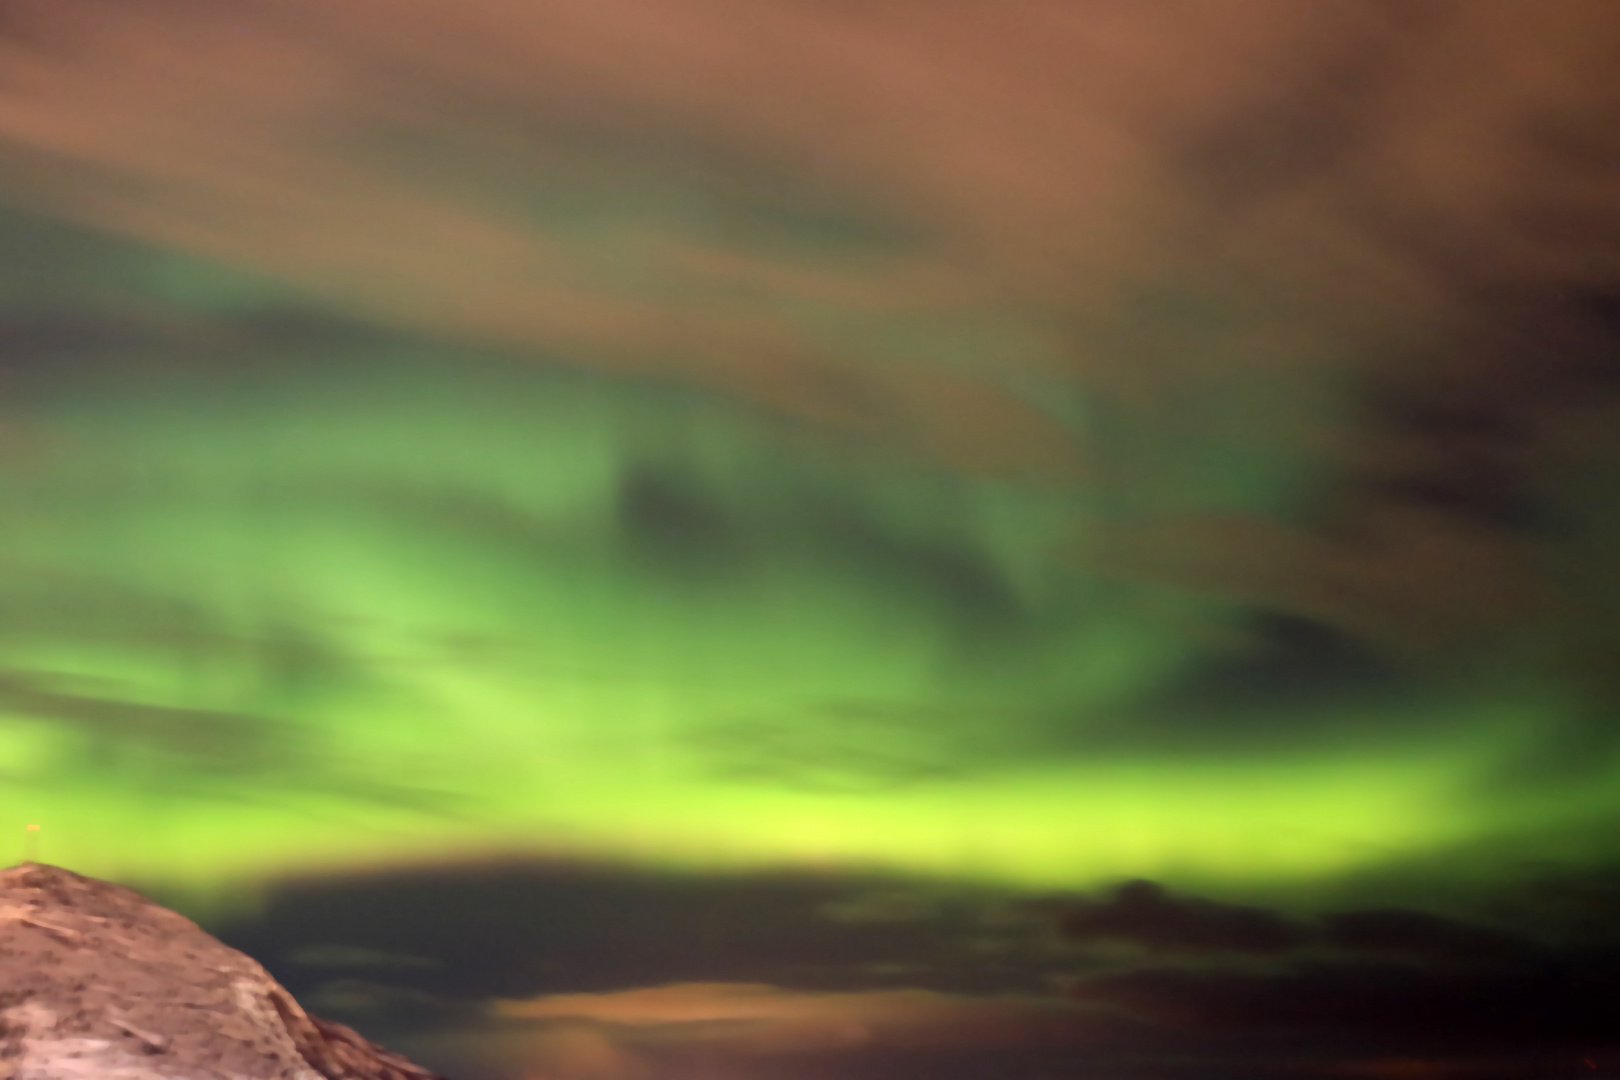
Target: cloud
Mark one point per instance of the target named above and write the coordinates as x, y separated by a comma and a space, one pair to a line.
1168, 925
313, 162
1375, 992
1420, 934
1177, 264
1142, 913
776, 206
775, 1018
124, 727
354, 956
1309, 1019
668, 1028
1202, 987
1551, 1004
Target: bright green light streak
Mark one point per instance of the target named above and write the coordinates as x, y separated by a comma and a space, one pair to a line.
425, 591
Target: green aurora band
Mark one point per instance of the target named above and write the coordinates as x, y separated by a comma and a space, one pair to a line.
265, 613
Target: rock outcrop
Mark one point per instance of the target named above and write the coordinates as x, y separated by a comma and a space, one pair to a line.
99, 983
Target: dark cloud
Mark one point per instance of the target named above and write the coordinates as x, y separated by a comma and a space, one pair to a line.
964, 580
384, 1006
1310, 121
672, 523
1419, 934
1365, 985
1143, 913
1293, 663
31, 340
587, 966
1564, 906
79, 339
346, 957
1283, 680
107, 730
169, 752
1159, 921
524, 929
1565, 1002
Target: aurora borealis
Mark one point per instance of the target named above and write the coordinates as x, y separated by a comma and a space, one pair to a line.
476, 606
642, 540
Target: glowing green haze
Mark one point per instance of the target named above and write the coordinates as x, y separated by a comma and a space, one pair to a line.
397, 605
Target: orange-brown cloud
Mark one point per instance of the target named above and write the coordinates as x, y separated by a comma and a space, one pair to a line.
1410, 577
764, 1019
1046, 158
701, 1029
946, 228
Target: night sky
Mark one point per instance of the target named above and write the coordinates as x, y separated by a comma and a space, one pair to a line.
801, 539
